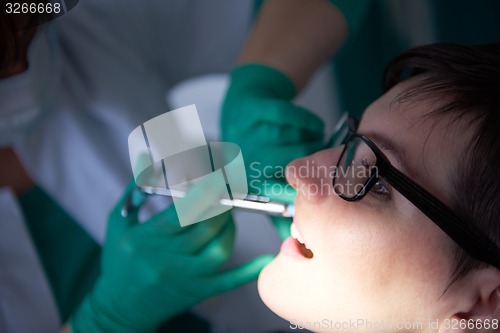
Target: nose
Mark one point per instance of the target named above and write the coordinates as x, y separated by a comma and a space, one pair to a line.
312, 176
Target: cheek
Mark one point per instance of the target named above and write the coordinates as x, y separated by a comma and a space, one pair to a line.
395, 253
365, 264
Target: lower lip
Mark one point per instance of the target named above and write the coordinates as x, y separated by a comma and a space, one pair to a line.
290, 247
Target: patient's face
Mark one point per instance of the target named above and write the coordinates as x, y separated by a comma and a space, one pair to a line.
378, 259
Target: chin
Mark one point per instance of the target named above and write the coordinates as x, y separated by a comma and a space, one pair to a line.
280, 290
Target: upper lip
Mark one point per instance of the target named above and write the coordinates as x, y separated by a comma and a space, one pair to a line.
301, 233
298, 224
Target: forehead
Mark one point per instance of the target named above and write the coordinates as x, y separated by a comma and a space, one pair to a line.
430, 146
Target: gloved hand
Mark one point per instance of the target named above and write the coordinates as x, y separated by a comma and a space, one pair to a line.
259, 116
154, 270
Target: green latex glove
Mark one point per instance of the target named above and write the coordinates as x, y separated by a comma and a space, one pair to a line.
259, 116
154, 270
276, 189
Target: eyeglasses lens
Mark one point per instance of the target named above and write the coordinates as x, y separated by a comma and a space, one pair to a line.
356, 166
340, 134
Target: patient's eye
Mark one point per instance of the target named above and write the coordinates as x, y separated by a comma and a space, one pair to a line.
381, 189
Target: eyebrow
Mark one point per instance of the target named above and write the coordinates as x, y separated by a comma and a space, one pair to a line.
386, 144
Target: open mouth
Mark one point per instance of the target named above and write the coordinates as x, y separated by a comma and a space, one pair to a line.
299, 242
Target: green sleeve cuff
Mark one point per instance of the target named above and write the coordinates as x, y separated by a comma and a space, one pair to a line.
69, 256
354, 12
265, 80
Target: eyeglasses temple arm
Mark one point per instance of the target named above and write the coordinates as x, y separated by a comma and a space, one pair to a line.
457, 228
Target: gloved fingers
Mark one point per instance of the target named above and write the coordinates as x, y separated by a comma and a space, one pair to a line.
286, 113
258, 87
199, 199
162, 224
279, 190
282, 225
131, 198
200, 235
189, 241
126, 196
217, 251
164, 255
294, 122
237, 276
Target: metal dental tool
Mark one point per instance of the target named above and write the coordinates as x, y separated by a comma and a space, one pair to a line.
248, 202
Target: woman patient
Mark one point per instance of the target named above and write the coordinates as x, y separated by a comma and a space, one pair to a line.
397, 228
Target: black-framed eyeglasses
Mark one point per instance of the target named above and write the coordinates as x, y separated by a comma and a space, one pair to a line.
362, 164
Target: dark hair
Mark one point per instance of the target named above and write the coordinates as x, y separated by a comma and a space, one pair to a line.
16, 32
9, 45
464, 80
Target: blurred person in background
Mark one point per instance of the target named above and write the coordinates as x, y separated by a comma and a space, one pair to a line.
71, 91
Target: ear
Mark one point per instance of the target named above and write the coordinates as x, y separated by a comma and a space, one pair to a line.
479, 311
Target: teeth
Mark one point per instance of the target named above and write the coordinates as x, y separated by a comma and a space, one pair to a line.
295, 233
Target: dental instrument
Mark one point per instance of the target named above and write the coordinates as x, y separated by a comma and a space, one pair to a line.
248, 202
